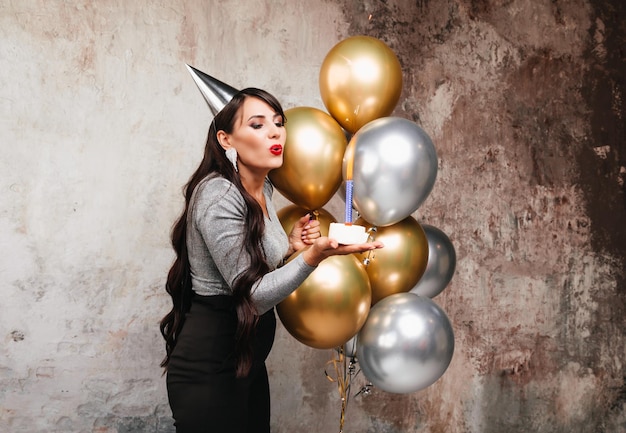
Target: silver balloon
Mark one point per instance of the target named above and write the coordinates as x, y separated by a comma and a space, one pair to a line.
349, 347
394, 169
440, 266
406, 343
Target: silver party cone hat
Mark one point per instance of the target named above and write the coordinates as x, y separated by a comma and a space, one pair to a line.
216, 93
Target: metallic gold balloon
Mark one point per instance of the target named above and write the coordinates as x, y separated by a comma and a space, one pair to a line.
399, 266
311, 170
289, 215
360, 80
330, 306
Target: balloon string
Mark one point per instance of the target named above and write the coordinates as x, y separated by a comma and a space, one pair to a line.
343, 374
370, 254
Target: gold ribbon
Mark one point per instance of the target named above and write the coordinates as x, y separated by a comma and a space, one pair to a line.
344, 373
346, 370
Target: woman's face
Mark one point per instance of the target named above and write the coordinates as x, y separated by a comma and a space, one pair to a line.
258, 136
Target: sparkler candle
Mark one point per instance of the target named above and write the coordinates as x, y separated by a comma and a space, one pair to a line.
348, 233
349, 186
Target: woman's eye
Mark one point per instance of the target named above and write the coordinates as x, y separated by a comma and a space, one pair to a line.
256, 126
280, 124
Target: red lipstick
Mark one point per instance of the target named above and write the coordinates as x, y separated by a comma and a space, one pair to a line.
276, 149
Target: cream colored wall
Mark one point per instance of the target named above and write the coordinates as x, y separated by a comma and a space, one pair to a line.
101, 126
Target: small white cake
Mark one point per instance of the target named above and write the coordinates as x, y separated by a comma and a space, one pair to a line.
347, 234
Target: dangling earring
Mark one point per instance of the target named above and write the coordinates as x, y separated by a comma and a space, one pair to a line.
231, 154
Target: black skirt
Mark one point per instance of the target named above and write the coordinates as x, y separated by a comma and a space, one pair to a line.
204, 394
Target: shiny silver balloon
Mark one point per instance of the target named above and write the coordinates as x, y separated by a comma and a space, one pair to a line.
394, 165
349, 347
406, 343
440, 266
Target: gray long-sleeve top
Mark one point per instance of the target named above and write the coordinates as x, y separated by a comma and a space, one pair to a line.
215, 236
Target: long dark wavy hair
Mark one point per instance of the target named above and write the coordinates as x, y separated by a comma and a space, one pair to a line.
178, 283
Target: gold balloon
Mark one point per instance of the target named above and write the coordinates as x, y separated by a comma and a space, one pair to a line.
360, 81
399, 266
289, 215
330, 306
313, 158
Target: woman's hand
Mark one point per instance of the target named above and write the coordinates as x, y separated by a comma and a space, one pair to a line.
324, 247
304, 233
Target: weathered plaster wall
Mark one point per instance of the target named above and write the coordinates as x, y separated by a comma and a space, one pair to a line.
102, 125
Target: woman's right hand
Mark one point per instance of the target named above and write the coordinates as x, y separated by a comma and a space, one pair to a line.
325, 247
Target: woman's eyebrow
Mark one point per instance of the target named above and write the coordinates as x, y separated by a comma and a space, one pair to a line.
261, 116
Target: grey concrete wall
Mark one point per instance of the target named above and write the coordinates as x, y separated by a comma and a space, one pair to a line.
101, 125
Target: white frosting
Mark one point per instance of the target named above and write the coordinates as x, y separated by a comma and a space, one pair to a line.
347, 234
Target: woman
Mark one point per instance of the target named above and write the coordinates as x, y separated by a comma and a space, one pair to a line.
226, 278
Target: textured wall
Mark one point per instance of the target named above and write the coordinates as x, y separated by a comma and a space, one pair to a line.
102, 125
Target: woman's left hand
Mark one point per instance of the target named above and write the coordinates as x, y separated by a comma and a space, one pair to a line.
304, 233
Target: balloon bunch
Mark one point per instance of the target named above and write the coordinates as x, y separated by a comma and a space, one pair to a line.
374, 309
